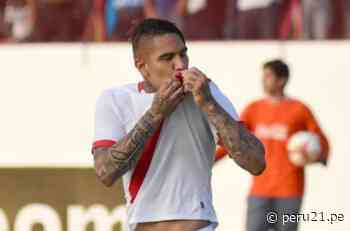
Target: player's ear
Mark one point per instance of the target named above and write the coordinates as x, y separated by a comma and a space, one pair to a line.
281, 82
284, 82
141, 66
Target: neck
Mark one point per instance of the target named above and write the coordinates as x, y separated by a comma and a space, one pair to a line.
148, 88
276, 96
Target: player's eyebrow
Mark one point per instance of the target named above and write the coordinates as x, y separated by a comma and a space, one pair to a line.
170, 54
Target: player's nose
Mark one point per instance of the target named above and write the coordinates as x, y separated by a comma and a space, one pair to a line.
180, 63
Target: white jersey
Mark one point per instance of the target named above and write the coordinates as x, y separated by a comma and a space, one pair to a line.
172, 179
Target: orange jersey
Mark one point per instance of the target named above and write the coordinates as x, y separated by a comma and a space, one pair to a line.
273, 122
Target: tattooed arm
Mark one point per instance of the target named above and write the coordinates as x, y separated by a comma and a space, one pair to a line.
243, 147
112, 162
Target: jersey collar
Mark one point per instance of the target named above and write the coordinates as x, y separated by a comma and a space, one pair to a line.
141, 86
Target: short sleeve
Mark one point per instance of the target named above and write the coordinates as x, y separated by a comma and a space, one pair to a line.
109, 127
225, 103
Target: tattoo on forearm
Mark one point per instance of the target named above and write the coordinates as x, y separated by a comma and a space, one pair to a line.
123, 155
243, 147
250, 154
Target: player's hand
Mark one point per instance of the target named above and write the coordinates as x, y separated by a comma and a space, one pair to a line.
169, 95
318, 160
197, 84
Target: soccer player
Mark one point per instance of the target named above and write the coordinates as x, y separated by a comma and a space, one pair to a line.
160, 134
273, 120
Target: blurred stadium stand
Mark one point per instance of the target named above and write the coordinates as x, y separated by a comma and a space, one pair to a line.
111, 20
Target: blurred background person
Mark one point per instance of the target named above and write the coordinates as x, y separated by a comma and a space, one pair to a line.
95, 29
231, 27
291, 20
205, 19
347, 15
337, 28
317, 18
19, 19
273, 120
172, 10
2, 22
258, 19
112, 20
60, 20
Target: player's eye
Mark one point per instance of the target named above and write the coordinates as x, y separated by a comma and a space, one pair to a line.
168, 57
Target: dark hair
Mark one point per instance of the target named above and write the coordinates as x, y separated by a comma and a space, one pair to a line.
279, 67
153, 27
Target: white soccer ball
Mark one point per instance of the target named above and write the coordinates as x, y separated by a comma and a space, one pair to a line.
303, 147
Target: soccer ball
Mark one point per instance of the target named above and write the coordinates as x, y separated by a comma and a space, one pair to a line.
303, 147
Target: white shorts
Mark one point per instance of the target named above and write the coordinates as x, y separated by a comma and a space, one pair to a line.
208, 228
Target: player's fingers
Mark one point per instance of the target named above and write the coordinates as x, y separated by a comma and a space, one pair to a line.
189, 83
175, 84
197, 79
198, 72
178, 100
199, 84
166, 84
194, 79
163, 87
198, 76
175, 99
176, 94
194, 72
189, 75
188, 86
